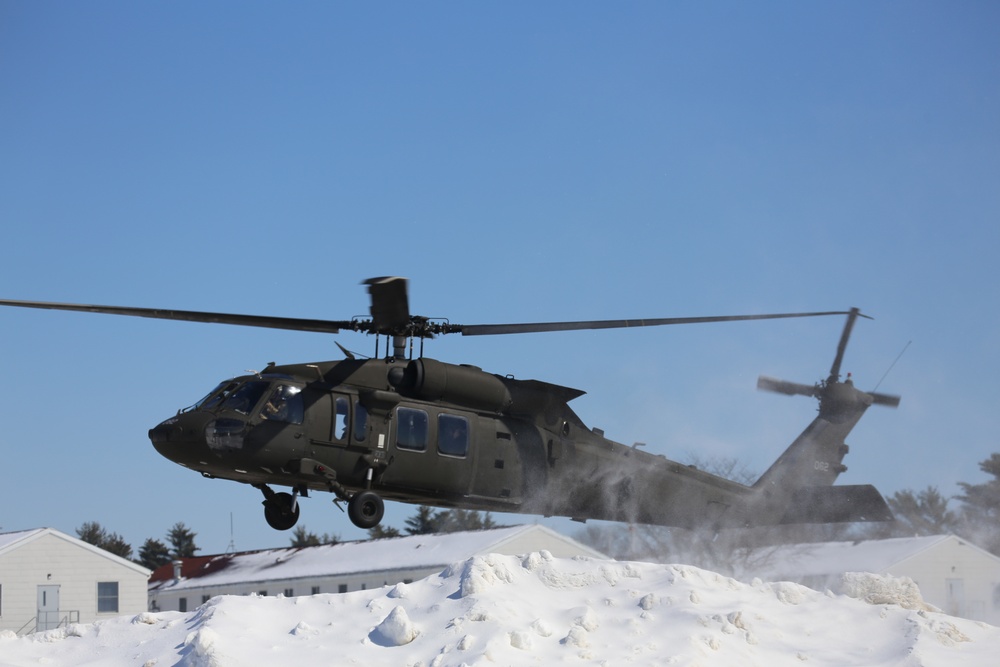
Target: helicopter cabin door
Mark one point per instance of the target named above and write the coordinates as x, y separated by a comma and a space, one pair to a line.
430, 450
340, 433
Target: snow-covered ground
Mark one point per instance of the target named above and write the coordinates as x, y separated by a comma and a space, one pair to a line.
534, 609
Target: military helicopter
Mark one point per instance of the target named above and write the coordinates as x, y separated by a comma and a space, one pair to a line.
416, 430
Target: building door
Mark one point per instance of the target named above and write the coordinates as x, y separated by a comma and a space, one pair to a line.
48, 608
955, 597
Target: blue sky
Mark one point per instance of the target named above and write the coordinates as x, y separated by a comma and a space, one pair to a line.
518, 162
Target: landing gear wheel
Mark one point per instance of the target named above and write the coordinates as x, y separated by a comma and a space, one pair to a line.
281, 511
365, 509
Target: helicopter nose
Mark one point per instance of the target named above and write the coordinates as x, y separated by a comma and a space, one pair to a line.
178, 437
165, 432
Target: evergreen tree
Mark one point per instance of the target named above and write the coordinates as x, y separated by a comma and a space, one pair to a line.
380, 531
427, 521
423, 522
456, 520
94, 533
181, 540
153, 554
304, 538
981, 507
923, 513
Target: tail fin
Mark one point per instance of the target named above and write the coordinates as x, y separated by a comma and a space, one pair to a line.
798, 487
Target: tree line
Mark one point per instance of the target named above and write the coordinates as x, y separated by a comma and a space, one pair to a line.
180, 540
152, 554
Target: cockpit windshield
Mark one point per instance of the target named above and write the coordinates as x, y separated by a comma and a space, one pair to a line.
215, 396
245, 397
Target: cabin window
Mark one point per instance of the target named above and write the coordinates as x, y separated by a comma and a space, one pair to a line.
182, 604
411, 429
284, 405
342, 588
340, 418
453, 435
289, 593
205, 598
360, 422
107, 597
315, 590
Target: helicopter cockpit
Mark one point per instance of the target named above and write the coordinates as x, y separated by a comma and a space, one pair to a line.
283, 400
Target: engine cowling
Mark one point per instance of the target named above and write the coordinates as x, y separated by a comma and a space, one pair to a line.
432, 380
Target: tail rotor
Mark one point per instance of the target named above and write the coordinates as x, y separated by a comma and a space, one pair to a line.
831, 387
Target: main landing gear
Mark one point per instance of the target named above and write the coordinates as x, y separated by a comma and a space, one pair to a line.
281, 510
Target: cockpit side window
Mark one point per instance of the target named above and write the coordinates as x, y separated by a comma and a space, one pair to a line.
284, 405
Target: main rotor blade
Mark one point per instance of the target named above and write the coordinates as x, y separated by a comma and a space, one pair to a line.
842, 345
538, 327
390, 307
292, 323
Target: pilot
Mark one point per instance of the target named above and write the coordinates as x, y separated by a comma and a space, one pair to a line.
276, 408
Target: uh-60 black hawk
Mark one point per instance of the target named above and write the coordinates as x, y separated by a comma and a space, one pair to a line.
417, 430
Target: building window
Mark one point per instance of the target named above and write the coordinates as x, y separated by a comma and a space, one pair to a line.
263, 594
107, 597
342, 588
289, 593
315, 590
205, 598
182, 604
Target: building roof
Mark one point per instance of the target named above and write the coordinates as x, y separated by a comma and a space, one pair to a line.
15, 540
387, 554
829, 558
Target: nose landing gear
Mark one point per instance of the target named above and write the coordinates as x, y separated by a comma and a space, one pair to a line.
365, 509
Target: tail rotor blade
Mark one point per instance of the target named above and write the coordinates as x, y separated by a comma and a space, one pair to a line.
888, 400
765, 383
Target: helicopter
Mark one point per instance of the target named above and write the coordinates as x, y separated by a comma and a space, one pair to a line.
413, 429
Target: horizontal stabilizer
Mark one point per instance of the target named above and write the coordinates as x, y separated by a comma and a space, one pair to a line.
837, 504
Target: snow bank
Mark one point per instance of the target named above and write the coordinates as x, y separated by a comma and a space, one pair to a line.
534, 609
883, 589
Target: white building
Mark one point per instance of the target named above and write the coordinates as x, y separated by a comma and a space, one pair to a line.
48, 579
953, 574
344, 567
